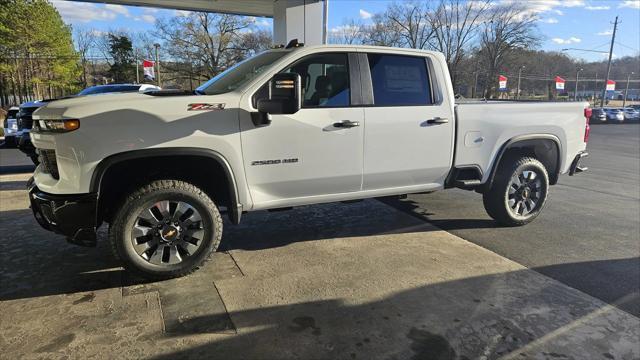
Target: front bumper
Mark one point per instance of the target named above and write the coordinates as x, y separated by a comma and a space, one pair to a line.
74, 216
575, 165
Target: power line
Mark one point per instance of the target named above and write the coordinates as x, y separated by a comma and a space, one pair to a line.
628, 47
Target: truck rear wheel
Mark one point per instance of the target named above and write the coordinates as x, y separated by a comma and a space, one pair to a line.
519, 191
166, 229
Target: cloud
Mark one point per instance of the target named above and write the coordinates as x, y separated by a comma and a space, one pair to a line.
260, 22
634, 4
83, 12
148, 18
365, 14
595, 8
605, 33
573, 3
571, 40
181, 13
541, 6
549, 20
344, 29
118, 9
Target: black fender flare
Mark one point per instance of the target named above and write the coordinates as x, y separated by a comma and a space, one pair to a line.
235, 209
509, 143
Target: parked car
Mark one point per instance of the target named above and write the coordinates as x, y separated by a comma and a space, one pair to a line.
26, 109
614, 115
282, 129
631, 114
111, 88
598, 115
25, 122
10, 126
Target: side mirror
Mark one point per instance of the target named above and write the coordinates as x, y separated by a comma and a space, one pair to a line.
285, 97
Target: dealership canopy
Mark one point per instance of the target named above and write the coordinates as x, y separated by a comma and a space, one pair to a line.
304, 20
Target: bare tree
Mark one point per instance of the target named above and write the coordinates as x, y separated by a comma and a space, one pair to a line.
507, 28
411, 22
214, 40
454, 26
348, 33
85, 40
381, 32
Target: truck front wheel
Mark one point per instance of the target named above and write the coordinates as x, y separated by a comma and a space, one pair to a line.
519, 191
166, 229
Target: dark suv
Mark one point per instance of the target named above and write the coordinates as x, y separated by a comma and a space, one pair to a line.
598, 115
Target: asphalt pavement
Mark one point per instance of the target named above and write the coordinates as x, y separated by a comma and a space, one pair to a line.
13, 161
587, 237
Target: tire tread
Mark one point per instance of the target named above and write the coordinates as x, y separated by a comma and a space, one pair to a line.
119, 222
493, 199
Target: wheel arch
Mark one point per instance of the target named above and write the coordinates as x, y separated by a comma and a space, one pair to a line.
547, 148
116, 162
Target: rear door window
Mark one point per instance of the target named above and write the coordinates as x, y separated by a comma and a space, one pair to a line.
399, 80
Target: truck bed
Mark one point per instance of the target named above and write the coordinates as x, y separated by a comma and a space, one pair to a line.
483, 127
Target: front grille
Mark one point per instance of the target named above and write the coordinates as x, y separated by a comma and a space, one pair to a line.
49, 162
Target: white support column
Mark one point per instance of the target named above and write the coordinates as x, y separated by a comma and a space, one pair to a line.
298, 19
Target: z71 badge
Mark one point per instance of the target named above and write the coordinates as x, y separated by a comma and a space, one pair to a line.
205, 107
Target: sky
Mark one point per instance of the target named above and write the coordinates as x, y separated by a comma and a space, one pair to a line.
583, 24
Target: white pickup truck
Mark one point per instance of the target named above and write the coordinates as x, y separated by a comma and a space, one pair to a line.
291, 126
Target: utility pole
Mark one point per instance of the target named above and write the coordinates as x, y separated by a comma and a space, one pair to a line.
626, 90
137, 68
475, 86
157, 46
519, 76
595, 89
613, 39
575, 95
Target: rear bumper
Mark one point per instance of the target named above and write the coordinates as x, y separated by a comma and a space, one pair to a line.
74, 216
576, 168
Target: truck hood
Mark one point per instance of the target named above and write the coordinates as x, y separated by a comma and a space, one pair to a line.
81, 107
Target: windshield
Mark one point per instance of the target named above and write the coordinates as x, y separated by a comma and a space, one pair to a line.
109, 89
12, 114
239, 74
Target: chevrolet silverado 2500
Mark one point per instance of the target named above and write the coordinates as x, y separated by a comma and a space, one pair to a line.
290, 126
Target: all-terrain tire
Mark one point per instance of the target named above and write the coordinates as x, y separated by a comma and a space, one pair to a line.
500, 200
176, 192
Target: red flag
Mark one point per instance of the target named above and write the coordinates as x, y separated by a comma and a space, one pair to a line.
559, 83
502, 82
611, 85
148, 67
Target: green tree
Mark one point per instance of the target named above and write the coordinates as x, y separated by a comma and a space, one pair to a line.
37, 58
122, 67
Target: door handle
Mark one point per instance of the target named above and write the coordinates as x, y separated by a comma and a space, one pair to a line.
438, 120
346, 124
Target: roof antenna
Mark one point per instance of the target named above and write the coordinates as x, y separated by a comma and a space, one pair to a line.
293, 44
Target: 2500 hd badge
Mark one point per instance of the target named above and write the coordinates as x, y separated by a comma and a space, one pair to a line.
274, 162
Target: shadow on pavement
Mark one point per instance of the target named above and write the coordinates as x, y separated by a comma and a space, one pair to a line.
16, 169
415, 209
263, 229
40, 263
490, 316
13, 185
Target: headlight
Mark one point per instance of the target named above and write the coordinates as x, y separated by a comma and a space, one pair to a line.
58, 125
